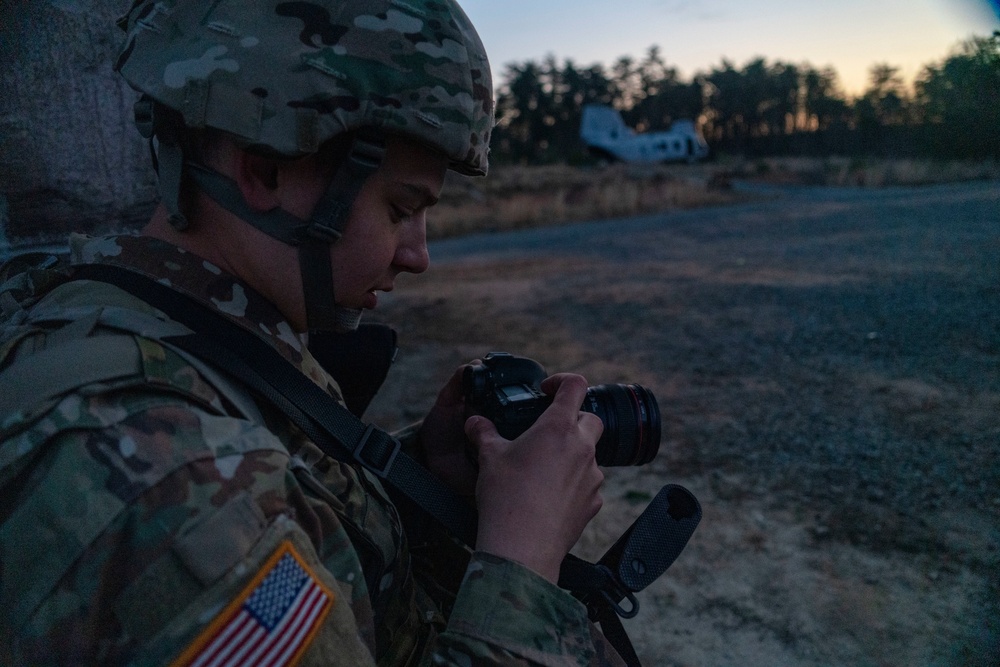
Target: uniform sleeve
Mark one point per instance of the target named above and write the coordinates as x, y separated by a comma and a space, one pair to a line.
505, 614
147, 530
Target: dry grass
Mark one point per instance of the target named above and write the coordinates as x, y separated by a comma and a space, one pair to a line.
859, 172
518, 197
514, 197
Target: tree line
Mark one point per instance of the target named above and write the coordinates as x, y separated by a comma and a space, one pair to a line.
762, 108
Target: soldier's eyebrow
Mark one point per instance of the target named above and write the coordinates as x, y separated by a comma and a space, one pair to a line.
424, 193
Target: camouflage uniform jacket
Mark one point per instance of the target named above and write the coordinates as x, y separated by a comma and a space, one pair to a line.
164, 517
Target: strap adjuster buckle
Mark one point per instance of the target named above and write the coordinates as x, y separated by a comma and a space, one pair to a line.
328, 225
614, 591
373, 454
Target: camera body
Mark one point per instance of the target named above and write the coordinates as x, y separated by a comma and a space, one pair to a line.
506, 390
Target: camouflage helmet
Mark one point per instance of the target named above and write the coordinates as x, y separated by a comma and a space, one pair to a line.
285, 77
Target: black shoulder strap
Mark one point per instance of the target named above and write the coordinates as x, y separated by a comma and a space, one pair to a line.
330, 425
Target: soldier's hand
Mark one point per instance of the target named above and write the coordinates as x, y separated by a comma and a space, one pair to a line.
442, 437
536, 493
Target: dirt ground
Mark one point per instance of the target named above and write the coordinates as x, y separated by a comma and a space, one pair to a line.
827, 364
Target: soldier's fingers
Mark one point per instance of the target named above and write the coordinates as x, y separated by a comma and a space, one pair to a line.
569, 388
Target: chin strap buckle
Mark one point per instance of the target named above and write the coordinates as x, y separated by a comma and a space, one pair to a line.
330, 215
329, 227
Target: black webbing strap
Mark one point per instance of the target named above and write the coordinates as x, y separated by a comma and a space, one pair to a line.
316, 269
614, 632
329, 218
596, 586
236, 351
327, 225
643, 552
276, 222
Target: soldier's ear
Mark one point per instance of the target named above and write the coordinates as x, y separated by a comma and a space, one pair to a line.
257, 178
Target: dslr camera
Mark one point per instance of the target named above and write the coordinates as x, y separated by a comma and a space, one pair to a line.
506, 390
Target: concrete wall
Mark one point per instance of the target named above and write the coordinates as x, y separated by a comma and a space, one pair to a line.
70, 157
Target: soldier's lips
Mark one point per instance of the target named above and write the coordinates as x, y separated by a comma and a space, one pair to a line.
370, 300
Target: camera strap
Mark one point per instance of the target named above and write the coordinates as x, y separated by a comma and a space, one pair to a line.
639, 556
643, 552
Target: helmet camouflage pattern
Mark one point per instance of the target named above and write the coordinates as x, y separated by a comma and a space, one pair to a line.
285, 77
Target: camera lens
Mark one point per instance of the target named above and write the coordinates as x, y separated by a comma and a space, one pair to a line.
631, 423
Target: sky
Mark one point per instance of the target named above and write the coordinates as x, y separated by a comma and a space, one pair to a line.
849, 35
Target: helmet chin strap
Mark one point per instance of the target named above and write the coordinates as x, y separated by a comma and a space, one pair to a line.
325, 227
312, 237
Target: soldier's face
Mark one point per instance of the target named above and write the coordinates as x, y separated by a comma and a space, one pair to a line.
386, 232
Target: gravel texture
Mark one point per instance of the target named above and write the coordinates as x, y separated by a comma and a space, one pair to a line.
827, 362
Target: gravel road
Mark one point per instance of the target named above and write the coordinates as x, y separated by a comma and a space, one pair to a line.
827, 362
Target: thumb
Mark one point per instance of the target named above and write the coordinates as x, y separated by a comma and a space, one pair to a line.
482, 434
481, 430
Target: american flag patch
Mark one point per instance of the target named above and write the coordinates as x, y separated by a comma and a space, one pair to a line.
270, 623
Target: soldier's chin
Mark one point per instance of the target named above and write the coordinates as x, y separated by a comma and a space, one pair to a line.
370, 300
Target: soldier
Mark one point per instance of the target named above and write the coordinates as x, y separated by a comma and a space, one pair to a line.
157, 511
